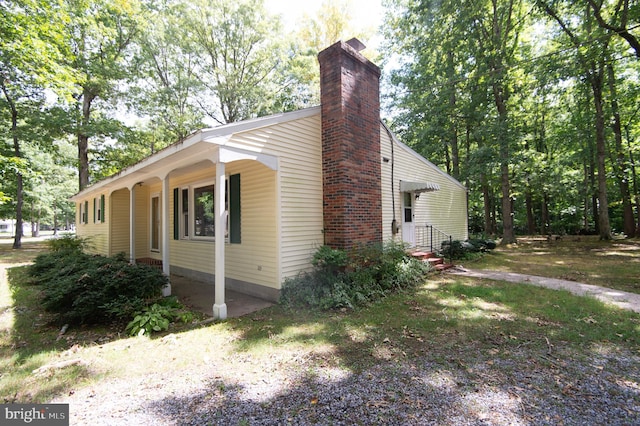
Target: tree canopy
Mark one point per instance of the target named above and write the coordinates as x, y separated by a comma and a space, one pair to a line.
532, 104
525, 102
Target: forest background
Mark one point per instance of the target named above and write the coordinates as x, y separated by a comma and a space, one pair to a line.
532, 105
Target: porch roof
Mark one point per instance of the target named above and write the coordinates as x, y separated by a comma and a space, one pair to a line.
205, 144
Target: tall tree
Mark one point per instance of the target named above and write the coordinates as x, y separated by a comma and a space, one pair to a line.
447, 44
333, 21
99, 33
237, 57
30, 60
615, 17
591, 48
165, 86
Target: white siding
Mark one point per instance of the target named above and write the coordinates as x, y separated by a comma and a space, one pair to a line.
297, 144
445, 209
94, 230
119, 222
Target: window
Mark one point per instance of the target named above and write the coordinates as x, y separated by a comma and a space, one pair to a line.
185, 212
408, 209
194, 214
156, 222
84, 215
203, 211
98, 208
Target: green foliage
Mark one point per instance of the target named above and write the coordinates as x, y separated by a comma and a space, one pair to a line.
71, 243
330, 259
152, 318
346, 279
158, 316
466, 249
83, 288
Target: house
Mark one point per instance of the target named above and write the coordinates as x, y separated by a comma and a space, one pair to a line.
274, 189
8, 227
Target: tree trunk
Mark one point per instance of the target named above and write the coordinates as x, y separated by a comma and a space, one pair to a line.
635, 183
629, 227
531, 221
594, 194
544, 226
17, 240
486, 195
603, 203
455, 155
83, 139
55, 219
508, 236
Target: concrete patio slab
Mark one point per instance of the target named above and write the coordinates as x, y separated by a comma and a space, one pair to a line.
200, 296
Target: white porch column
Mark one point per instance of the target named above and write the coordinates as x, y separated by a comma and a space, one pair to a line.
132, 224
166, 291
219, 306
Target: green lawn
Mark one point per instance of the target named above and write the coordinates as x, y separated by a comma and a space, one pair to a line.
613, 264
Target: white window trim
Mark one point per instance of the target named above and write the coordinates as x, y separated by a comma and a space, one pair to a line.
98, 218
184, 235
191, 211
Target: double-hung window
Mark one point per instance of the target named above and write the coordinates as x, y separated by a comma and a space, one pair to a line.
203, 211
194, 210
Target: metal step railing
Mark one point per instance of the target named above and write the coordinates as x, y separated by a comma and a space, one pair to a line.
431, 238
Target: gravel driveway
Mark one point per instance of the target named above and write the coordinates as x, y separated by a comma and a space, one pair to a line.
518, 388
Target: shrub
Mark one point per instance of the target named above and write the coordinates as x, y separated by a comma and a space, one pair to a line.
84, 288
68, 243
463, 249
342, 279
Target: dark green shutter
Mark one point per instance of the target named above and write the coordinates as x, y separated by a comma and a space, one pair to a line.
94, 210
176, 215
85, 217
234, 209
102, 212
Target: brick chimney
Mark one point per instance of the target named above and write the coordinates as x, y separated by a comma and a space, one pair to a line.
351, 162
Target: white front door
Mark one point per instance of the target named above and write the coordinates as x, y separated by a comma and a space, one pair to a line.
408, 225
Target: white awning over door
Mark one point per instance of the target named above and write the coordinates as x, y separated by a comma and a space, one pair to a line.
418, 187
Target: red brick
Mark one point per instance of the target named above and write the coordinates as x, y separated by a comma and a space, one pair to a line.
351, 159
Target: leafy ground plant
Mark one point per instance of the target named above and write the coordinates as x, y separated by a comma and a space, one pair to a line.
158, 317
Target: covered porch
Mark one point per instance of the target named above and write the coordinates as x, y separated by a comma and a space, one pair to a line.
154, 217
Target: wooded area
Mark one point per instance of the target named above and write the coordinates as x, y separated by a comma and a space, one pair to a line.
533, 105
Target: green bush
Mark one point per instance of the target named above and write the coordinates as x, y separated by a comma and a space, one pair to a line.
71, 243
345, 279
464, 249
83, 288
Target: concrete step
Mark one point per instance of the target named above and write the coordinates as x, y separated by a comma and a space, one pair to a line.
422, 255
